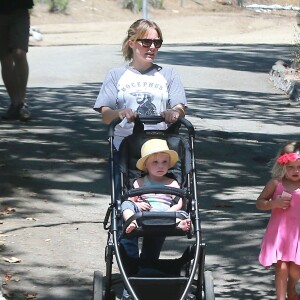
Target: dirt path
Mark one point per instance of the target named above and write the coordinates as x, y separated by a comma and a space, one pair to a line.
193, 23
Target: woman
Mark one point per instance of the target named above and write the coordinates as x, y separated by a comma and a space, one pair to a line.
141, 86
144, 88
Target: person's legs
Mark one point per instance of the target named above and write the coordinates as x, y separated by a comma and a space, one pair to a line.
21, 71
151, 247
128, 210
15, 75
294, 276
281, 277
14, 65
130, 246
7, 67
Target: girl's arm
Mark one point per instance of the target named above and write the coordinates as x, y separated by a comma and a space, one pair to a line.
265, 201
177, 206
142, 205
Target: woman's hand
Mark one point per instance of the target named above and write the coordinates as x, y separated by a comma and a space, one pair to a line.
172, 115
127, 113
108, 114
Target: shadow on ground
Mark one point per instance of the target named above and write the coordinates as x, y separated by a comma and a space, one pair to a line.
63, 151
249, 58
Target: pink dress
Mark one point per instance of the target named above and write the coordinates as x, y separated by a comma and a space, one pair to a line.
282, 237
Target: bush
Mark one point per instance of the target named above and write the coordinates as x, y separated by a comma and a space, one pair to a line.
55, 5
137, 5
58, 5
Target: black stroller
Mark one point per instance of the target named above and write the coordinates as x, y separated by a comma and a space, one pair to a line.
164, 278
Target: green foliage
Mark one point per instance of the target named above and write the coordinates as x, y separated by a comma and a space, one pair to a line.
59, 5
159, 4
55, 5
131, 5
240, 3
137, 5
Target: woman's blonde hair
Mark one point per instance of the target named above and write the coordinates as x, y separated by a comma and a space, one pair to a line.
137, 31
279, 170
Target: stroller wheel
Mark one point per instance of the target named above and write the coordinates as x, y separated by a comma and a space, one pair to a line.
208, 286
98, 286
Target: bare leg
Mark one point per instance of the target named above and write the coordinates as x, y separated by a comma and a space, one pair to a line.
7, 68
127, 213
15, 72
21, 73
281, 276
294, 276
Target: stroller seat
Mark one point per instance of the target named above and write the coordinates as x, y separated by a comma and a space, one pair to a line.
154, 223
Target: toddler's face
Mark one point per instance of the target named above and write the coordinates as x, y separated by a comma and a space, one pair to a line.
293, 170
158, 164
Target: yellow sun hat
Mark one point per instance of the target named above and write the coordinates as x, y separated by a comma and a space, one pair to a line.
156, 146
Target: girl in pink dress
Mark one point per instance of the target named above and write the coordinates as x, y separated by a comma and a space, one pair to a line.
281, 243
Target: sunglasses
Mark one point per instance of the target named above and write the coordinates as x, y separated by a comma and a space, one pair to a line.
146, 43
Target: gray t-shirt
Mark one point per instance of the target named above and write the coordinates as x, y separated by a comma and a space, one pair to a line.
149, 93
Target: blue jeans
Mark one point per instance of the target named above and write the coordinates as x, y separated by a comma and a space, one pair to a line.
151, 245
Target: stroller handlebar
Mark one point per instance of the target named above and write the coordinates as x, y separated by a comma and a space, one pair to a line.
152, 120
156, 190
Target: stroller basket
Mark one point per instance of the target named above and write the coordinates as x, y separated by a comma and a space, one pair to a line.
165, 288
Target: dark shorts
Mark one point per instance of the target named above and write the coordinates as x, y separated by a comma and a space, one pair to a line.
14, 31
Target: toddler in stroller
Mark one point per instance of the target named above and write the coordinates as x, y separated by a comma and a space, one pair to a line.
149, 276
156, 159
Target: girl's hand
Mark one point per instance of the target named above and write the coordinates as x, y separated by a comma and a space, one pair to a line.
127, 113
282, 202
143, 205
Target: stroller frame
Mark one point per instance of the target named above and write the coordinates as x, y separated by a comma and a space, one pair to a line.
203, 285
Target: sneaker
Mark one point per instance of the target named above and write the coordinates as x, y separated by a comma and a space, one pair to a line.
24, 113
17, 112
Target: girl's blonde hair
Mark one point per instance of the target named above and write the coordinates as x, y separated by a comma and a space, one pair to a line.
279, 170
137, 31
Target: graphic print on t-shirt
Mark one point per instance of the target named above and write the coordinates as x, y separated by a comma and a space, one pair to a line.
145, 104
146, 95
